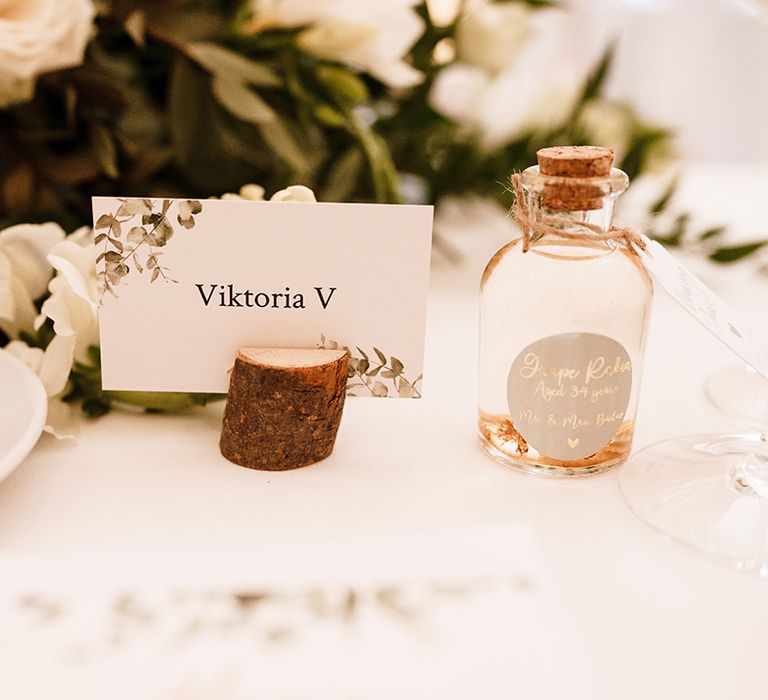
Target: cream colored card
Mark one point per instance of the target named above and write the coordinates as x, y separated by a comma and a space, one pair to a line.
185, 283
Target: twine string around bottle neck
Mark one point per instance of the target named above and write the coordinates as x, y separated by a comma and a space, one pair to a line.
590, 232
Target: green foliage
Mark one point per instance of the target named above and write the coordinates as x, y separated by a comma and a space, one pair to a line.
185, 105
594, 84
372, 374
85, 387
733, 253
680, 234
116, 258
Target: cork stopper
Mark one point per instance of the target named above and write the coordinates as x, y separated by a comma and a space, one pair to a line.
574, 162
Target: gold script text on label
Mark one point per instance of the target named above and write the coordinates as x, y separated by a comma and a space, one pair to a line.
568, 393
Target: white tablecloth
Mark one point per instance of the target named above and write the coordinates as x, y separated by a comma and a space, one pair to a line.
566, 594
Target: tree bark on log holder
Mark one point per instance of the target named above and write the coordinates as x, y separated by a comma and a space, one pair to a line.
284, 407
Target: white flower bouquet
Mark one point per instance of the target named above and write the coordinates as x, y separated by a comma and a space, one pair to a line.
359, 100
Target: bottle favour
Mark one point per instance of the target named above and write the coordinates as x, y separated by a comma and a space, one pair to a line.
563, 317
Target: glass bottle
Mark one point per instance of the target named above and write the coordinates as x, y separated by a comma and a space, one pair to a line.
563, 325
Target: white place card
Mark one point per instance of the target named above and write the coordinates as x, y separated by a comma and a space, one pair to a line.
185, 283
692, 295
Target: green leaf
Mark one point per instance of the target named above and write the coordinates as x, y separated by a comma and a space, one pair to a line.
278, 137
662, 202
199, 129
104, 147
94, 355
343, 177
382, 168
541, 3
163, 400
596, 79
94, 407
132, 207
238, 99
405, 391
329, 116
232, 66
161, 234
104, 221
379, 389
136, 234
677, 233
734, 253
185, 210
713, 232
343, 84
643, 145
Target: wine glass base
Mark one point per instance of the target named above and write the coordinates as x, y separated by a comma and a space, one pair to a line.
739, 393
704, 492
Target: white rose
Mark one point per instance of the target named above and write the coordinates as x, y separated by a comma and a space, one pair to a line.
39, 36
24, 273
294, 193
608, 124
373, 35
459, 92
52, 366
536, 93
490, 35
255, 193
73, 303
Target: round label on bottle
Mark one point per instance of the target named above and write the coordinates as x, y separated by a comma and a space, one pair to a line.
568, 393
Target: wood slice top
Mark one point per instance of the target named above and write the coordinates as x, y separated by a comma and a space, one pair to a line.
575, 161
286, 358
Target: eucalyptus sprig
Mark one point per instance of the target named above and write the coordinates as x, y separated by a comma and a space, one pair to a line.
367, 370
151, 232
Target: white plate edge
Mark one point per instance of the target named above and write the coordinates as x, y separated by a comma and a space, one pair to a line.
31, 435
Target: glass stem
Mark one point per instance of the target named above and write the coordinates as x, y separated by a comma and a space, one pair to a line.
764, 430
751, 474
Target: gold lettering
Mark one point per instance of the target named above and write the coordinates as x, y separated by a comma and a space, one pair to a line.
532, 366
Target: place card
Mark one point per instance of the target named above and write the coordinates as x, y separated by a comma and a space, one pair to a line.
698, 300
184, 283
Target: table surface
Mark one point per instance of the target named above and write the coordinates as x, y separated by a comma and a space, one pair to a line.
584, 600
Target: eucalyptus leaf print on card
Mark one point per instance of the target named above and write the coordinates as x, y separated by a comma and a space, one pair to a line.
376, 374
131, 239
